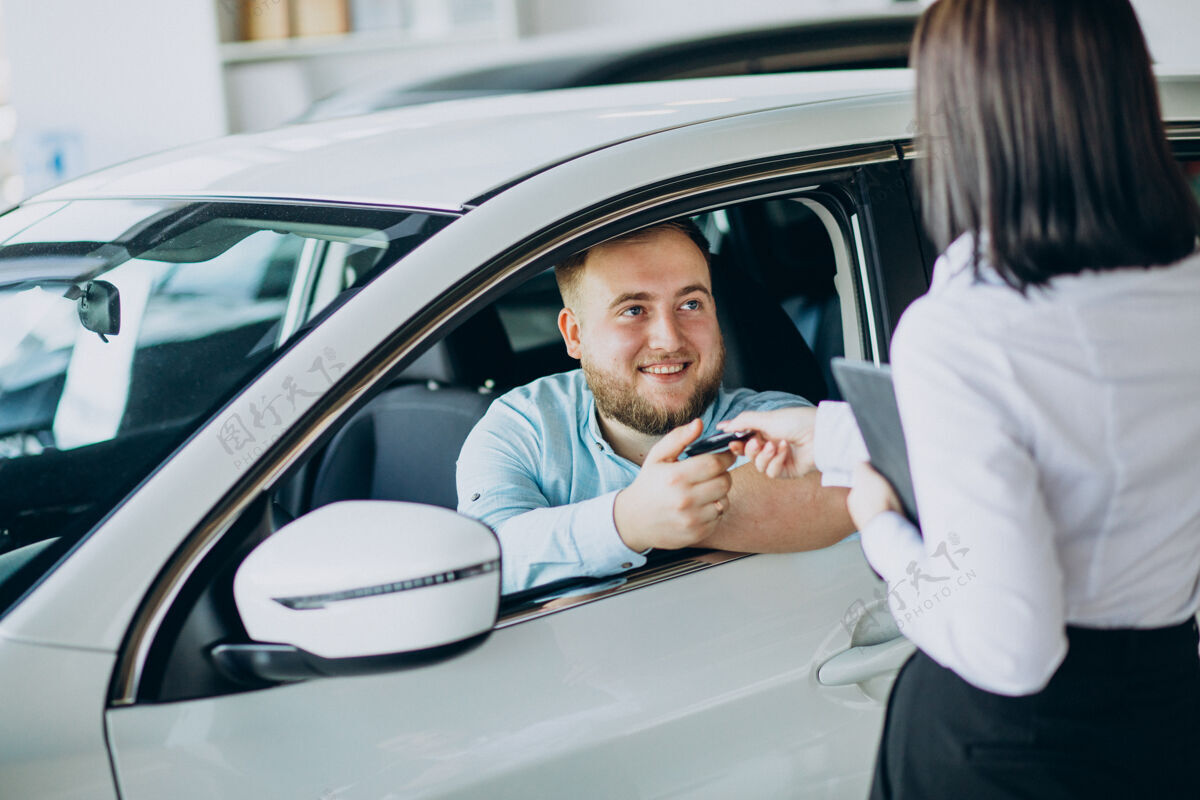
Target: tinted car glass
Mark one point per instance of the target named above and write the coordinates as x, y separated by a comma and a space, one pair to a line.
129, 323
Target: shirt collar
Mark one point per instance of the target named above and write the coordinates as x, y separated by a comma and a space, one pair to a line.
593, 422
952, 262
957, 261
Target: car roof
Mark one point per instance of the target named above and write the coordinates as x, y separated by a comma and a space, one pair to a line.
443, 155
446, 156
599, 57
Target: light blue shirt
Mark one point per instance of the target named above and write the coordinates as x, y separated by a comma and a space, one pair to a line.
537, 470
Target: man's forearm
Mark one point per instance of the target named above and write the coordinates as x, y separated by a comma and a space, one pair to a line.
766, 515
547, 544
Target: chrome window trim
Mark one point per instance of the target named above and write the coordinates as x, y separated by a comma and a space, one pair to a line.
1177, 131
619, 584
1183, 131
843, 281
291, 446
864, 278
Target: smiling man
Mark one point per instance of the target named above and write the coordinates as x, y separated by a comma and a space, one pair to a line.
578, 473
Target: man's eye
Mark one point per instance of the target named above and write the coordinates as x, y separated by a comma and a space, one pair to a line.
633, 311
691, 305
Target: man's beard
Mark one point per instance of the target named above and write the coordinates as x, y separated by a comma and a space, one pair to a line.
619, 400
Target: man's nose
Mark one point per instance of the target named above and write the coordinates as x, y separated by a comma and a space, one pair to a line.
665, 333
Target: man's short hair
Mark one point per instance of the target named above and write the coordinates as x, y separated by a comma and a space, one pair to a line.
568, 272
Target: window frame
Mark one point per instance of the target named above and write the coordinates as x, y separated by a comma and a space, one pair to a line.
690, 194
838, 206
172, 211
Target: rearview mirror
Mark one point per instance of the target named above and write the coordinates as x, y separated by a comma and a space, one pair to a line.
360, 587
100, 309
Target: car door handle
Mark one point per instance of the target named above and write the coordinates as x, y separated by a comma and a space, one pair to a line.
857, 664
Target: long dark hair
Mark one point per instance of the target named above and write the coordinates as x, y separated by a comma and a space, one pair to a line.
1041, 127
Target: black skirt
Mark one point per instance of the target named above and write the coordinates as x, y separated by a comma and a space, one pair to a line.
1120, 718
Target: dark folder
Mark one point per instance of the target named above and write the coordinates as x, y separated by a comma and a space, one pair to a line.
869, 391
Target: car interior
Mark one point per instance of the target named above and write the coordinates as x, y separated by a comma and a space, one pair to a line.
775, 267
773, 272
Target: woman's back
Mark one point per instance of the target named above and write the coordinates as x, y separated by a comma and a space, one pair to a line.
1101, 375
1048, 395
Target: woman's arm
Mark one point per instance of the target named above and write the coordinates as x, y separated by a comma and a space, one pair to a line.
982, 593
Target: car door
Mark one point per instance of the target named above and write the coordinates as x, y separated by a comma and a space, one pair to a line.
701, 676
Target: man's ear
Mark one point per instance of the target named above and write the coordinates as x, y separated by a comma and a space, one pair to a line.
568, 326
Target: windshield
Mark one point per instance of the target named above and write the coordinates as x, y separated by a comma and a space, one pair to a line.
125, 324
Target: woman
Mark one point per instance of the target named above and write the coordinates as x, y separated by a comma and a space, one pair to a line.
1048, 385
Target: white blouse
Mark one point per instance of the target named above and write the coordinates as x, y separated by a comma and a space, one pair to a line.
1054, 442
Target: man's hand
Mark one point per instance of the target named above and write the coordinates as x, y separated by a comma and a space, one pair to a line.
870, 497
674, 504
782, 446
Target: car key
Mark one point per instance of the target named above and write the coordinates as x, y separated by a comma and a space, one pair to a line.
717, 443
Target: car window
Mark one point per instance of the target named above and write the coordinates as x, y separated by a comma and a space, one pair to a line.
404, 440
786, 304
128, 323
529, 314
791, 254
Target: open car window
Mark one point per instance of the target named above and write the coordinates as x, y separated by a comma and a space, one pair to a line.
128, 323
785, 284
788, 296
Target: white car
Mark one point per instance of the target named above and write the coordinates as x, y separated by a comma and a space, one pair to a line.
233, 383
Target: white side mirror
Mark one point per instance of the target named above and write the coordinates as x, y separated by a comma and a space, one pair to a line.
364, 586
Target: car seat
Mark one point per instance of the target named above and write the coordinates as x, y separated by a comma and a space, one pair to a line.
764, 348
404, 444
786, 248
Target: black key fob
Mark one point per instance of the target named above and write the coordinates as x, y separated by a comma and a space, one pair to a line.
717, 443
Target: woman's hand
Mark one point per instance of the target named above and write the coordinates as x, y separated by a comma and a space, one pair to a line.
870, 496
782, 446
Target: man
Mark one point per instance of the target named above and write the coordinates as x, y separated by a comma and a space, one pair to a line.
578, 473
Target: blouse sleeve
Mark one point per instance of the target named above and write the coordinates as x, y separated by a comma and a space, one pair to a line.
982, 593
838, 445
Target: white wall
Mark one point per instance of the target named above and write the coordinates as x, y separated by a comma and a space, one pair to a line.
94, 83
1171, 27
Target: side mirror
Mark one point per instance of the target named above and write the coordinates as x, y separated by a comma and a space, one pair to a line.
361, 587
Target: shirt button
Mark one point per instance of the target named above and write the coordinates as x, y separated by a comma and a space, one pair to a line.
474, 497
627, 565
599, 446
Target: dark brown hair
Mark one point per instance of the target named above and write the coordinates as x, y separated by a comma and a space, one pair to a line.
1041, 128
567, 273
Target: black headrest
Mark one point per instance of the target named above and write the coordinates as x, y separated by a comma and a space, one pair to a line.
764, 348
403, 445
475, 354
